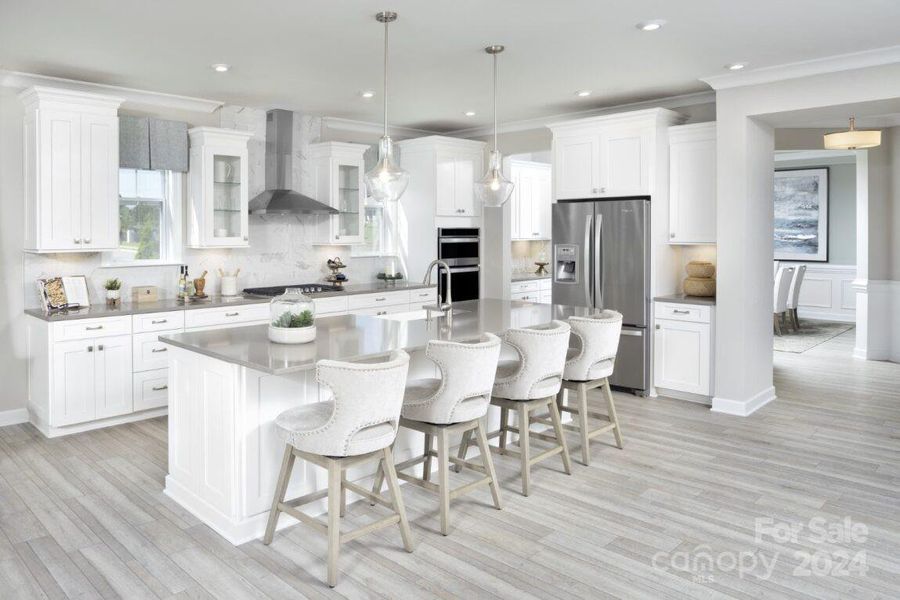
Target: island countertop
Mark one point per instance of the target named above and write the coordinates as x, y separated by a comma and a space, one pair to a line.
353, 337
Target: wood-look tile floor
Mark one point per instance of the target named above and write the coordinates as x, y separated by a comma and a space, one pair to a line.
84, 516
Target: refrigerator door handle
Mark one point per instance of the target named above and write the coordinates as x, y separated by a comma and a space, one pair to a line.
588, 280
598, 264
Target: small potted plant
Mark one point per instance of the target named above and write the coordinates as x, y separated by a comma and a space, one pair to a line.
292, 318
113, 291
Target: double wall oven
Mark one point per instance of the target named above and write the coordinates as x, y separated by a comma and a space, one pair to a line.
459, 248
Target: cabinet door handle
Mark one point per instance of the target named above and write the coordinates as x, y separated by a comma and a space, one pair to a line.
232, 314
90, 348
87, 240
158, 322
77, 240
93, 328
159, 350
603, 190
658, 327
380, 299
381, 312
595, 190
246, 238
671, 235
681, 312
100, 348
160, 388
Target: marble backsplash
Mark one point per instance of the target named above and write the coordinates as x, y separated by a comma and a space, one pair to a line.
279, 251
526, 252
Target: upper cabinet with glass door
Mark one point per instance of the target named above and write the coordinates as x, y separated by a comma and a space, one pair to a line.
338, 170
218, 188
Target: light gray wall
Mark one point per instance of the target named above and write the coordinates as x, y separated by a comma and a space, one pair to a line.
841, 207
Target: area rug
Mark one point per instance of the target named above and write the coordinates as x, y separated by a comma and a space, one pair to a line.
811, 334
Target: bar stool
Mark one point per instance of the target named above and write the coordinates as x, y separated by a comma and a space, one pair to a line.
357, 426
455, 403
589, 364
528, 384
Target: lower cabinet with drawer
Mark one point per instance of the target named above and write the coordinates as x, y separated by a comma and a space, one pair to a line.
535, 290
683, 354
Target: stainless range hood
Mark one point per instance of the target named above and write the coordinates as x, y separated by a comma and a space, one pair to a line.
279, 198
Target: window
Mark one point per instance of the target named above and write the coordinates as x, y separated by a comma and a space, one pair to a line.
149, 218
379, 230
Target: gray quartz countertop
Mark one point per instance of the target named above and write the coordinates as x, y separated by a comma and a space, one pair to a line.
529, 277
352, 337
127, 308
685, 299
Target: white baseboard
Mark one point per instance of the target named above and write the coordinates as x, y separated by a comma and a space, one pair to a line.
743, 408
825, 316
13, 417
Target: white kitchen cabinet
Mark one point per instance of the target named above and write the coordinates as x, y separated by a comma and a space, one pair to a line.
692, 184
91, 380
530, 200
339, 170
682, 352
456, 175
71, 159
218, 188
532, 290
608, 156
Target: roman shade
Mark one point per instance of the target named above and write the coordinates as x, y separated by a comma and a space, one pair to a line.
155, 144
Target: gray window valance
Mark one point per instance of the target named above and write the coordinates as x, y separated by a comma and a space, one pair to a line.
150, 143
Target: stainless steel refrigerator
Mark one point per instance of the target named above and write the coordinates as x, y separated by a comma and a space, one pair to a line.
601, 259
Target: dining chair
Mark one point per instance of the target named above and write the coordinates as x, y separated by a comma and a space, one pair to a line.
794, 297
782, 287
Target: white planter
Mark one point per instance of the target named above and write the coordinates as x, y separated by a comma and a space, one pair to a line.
292, 335
113, 294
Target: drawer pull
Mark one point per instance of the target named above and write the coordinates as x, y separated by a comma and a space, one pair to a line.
158, 322
232, 314
100, 348
93, 328
380, 299
90, 348
681, 312
160, 388
160, 350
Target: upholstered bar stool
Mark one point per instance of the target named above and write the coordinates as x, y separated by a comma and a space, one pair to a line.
454, 404
357, 426
526, 385
589, 364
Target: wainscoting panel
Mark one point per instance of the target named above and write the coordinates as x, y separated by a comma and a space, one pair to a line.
827, 292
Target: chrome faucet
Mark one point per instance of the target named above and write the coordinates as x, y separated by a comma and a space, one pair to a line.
441, 307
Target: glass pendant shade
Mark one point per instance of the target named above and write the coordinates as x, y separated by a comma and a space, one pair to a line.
493, 189
852, 139
386, 181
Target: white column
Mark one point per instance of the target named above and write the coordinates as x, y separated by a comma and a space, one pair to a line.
745, 253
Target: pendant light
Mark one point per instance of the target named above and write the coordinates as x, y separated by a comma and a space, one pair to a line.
386, 181
852, 139
494, 189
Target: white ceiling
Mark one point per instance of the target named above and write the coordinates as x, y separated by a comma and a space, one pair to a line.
317, 55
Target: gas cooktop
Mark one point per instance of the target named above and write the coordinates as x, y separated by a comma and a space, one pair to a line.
306, 288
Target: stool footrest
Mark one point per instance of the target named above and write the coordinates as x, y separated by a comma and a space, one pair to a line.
380, 524
465, 489
367, 494
303, 517
418, 481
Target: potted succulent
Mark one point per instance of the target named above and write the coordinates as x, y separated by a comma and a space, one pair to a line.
113, 291
292, 318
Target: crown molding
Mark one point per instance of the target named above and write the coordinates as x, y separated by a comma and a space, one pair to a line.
834, 157
340, 124
541, 122
806, 68
16, 79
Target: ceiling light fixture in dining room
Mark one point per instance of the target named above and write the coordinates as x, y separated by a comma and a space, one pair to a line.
494, 189
853, 138
386, 181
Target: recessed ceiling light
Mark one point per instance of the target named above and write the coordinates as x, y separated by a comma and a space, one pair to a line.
469, 113
650, 25
367, 94
583, 93
220, 67
735, 66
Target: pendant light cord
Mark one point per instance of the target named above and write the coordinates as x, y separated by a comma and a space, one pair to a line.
495, 102
385, 77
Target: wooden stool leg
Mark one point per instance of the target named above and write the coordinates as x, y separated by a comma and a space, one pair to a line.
612, 413
504, 422
560, 436
334, 523
343, 494
525, 447
463, 450
426, 468
379, 480
397, 499
488, 462
583, 425
443, 450
287, 464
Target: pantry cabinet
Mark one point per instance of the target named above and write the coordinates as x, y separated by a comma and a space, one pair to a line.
692, 184
71, 159
218, 188
608, 156
530, 200
339, 171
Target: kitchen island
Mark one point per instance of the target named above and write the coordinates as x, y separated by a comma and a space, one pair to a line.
227, 386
